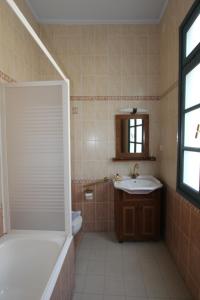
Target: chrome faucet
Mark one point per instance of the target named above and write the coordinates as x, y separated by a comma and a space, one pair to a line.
135, 172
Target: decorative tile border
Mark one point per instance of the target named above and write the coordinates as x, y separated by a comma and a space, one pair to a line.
115, 98
5, 77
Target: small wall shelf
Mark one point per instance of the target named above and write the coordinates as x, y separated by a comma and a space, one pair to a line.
152, 158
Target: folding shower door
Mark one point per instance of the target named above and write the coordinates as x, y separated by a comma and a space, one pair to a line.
38, 155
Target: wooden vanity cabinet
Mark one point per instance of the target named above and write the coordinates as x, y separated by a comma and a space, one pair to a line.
137, 217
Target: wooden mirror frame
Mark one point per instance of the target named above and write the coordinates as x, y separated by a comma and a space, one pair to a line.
132, 156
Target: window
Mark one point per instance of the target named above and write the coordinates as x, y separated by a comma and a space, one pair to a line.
188, 175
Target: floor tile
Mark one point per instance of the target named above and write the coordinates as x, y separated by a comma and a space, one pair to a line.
81, 266
156, 287
114, 286
94, 284
77, 296
92, 297
96, 267
135, 287
107, 270
114, 269
110, 297
79, 283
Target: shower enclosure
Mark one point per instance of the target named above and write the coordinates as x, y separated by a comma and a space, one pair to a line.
35, 156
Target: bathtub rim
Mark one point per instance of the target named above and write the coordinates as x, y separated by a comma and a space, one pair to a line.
51, 283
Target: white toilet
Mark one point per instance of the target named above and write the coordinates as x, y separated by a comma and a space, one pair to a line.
77, 221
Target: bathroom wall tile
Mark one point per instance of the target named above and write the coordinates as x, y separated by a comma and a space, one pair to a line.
102, 226
88, 85
89, 213
87, 40
102, 85
77, 192
177, 209
89, 131
89, 150
128, 44
102, 211
101, 150
193, 286
89, 227
115, 45
185, 218
77, 169
129, 64
88, 65
194, 262
195, 227
114, 87
101, 65
102, 192
101, 130
1, 222
77, 206
144, 66
141, 44
183, 258
77, 148
98, 213
115, 64
89, 111
101, 110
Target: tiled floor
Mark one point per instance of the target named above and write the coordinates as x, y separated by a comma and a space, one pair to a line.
107, 270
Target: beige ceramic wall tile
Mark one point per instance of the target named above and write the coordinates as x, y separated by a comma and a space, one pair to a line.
114, 50
19, 54
97, 138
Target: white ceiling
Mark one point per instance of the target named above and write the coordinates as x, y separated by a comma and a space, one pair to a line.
98, 11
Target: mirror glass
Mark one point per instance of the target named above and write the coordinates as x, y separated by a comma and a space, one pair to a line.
132, 135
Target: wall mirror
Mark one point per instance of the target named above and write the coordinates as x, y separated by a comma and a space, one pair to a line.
132, 137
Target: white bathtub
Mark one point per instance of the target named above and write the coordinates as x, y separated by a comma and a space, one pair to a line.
30, 263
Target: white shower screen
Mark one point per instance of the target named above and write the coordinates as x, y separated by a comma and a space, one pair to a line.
34, 126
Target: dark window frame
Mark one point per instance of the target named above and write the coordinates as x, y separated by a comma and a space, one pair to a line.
186, 64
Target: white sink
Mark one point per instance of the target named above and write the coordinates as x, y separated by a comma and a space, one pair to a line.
140, 185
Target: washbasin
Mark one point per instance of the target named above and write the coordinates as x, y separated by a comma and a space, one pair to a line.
140, 185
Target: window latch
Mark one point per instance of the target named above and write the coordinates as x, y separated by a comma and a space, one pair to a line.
198, 131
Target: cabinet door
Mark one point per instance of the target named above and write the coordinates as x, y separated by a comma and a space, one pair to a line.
149, 220
129, 222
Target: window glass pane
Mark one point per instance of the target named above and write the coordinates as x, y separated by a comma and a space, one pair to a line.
139, 121
138, 148
191, 169
193, 36
139, 134
192, 119
192, 92
132, 148
132, 122
132, 134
